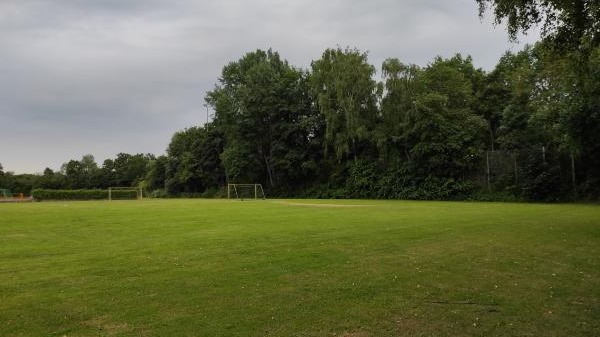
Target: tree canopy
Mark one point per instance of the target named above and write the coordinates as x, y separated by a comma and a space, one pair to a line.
566, 22
529, 129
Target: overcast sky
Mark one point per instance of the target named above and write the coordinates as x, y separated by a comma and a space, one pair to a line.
107, 76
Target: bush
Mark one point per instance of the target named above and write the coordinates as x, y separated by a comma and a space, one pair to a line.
502, 196
45, 194
362, 181
95, 194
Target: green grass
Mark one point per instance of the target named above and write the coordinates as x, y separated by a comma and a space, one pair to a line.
285, 268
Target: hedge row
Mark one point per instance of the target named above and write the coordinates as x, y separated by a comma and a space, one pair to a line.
96, 194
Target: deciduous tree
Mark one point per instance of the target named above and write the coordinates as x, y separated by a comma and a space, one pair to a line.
345, 91
566, 23
261, 104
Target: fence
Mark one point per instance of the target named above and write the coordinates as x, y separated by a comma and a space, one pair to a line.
537, 173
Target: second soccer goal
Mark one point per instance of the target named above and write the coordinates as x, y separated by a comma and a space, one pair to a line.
245, 191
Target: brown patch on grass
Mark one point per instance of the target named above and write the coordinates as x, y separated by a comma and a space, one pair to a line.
14, 235
108, 327
408, 326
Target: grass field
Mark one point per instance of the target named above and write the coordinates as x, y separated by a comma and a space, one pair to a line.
299, 268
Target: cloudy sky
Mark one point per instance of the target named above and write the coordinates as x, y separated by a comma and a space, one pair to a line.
107, 76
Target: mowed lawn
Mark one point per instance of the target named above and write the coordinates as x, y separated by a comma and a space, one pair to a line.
299, 268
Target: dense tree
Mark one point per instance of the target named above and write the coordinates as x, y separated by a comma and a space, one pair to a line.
397, 109
567, 23
345, 91
80, 173
571, 39
155, 178
567, 112
3, 178
19, 183
107, 174
514, 82
446, 135
490, 101
129, 169
261, 104
192, 164
50, 180
422, 133
182, 166
504, 100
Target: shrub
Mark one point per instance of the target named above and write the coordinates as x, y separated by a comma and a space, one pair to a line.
45, 194
94, 194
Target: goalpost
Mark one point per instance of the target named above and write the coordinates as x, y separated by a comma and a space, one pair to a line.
125, 193
4, 193
245, 191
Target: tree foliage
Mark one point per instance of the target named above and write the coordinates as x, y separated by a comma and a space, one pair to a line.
567, 70
423, 132
568, 24
192, 164
342, 83
261, 105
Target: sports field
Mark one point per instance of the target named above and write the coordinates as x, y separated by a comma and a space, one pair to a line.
299, 268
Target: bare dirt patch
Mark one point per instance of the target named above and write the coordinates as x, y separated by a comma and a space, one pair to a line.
108, 327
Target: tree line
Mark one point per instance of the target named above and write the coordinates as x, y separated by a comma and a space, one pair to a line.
528, 129
123, 170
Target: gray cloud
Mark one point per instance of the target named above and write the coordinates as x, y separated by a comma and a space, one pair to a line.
104, 77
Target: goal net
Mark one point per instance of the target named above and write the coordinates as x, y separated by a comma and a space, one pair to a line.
245, 191
125, 193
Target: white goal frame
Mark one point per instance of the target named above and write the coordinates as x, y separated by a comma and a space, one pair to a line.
139, 195
232, 191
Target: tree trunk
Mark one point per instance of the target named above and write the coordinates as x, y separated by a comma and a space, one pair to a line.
573, 174
491, 137
268, 166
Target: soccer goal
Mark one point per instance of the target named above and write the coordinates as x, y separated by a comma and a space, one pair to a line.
125, 193
245, 191
5, 194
